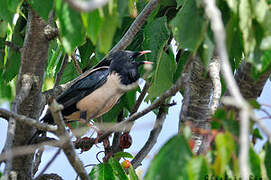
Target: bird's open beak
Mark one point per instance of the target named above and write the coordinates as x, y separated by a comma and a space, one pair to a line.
147, 62
144, 52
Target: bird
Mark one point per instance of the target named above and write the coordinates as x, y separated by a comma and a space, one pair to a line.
97, 92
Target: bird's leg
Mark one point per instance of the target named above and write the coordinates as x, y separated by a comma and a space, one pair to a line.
83, 117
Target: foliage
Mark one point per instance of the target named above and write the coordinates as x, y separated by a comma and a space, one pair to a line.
91, 36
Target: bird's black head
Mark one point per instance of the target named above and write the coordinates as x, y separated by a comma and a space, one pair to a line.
123, 63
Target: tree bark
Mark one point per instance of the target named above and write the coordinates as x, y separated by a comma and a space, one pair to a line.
195, 110
33, 60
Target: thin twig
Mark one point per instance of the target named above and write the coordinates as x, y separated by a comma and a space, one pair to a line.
135, 27
13, 46
115, 143
50, 162
86, 6
37, 161
151, 140
68, 148
217, 26
141, 97
61, 70
76, 64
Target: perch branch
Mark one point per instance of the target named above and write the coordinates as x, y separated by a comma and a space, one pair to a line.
68, 147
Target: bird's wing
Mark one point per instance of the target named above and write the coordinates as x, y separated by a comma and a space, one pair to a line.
83, 87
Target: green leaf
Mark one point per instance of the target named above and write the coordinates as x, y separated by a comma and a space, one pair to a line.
266, 43
189, 26
197, 168
180, 66
118, 171
255, 163
245, 24
13, 5
42, 7
123, 155
102, 172
171, 161
163, 76
234, 41
156, 35
107, 31
262, 65
3, 28
5, 13
132, 173
129, 99
225, 147
254, 103
70, 26
69, 73
93, 22
256, 133
267, 160
233, 5
206, 51
12, 65
86, 50
179, 3
54, 59
122, 9
5, 91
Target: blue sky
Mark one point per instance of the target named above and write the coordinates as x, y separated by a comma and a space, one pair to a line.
139, 133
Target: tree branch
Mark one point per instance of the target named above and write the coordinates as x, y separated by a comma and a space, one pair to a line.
61, 70
13, 46
214, 72
76, 64
141, 97
68, 147
29, 121
196, 109
86, 6
217, 26
151, 140
135, 27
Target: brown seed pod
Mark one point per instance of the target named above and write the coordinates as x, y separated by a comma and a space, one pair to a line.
125, 140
